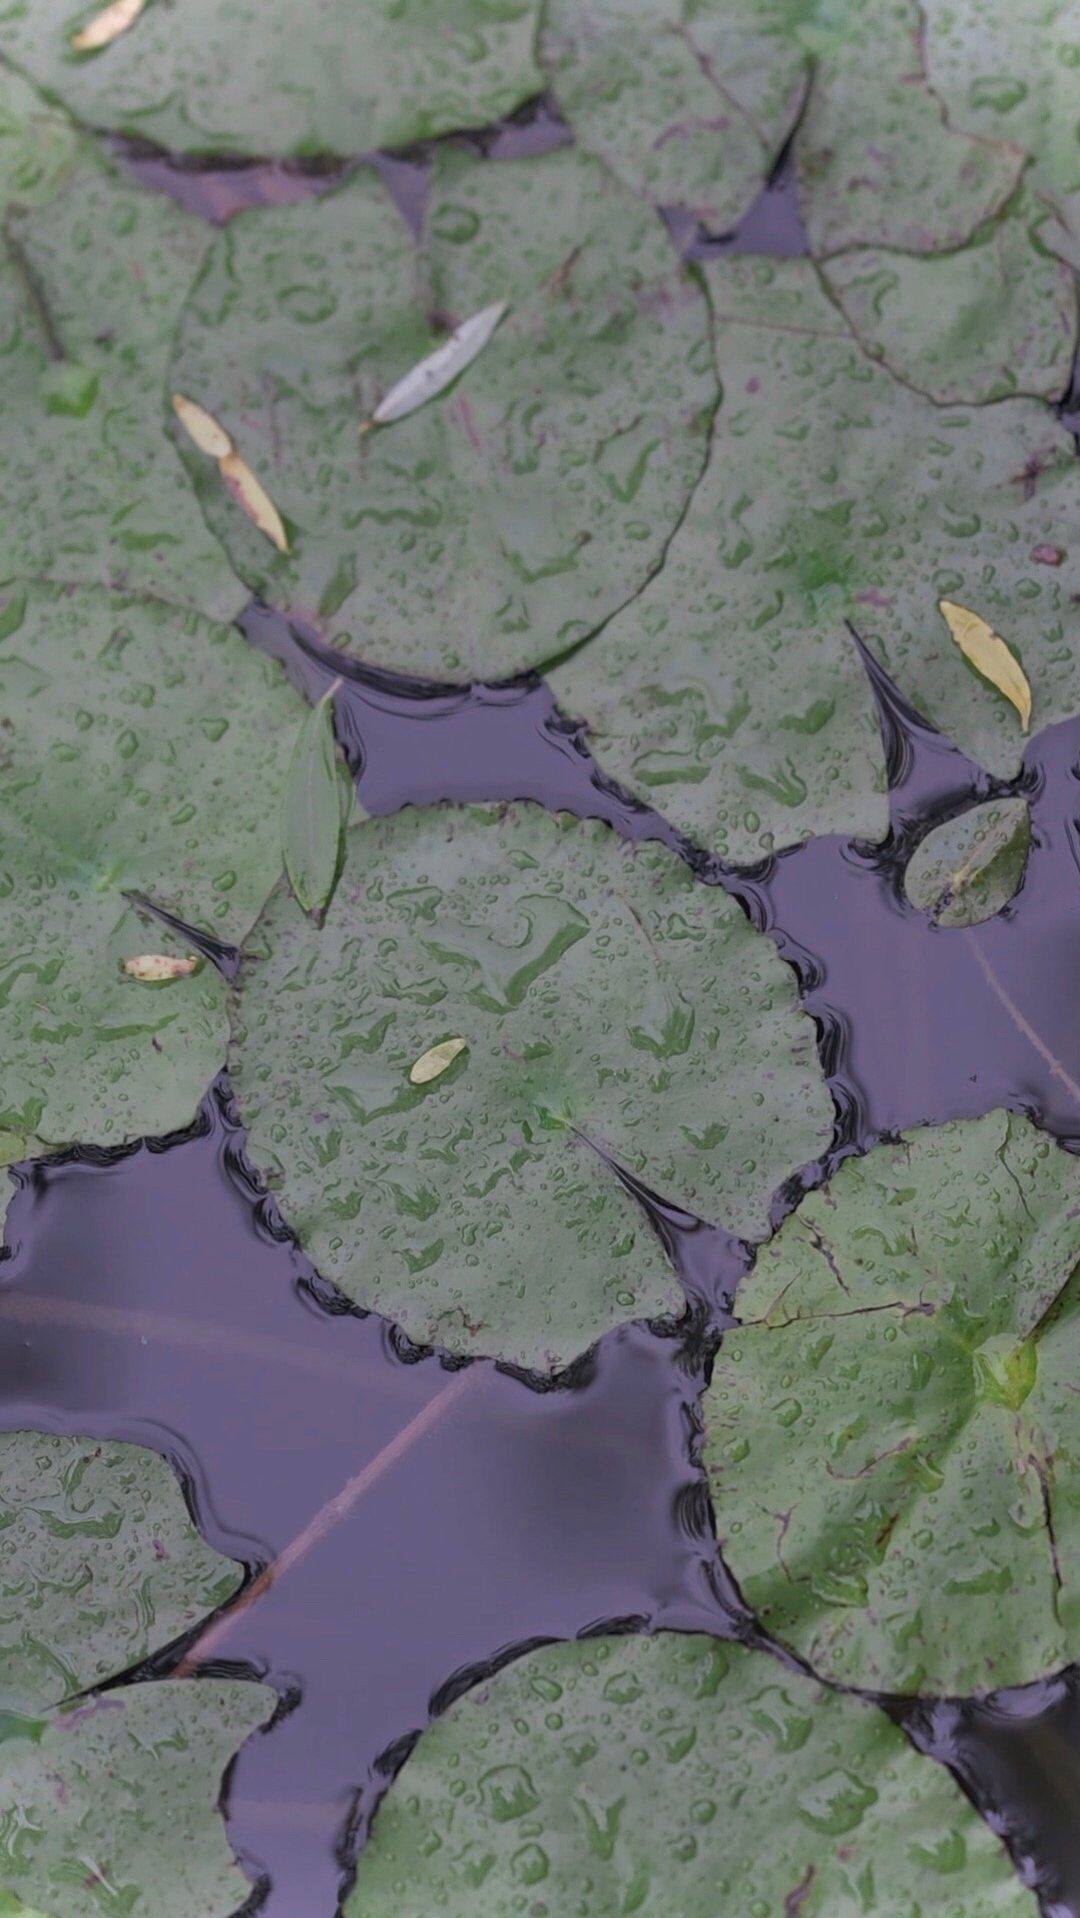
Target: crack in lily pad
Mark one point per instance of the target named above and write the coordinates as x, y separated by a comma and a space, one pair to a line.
729, 692
110, 1798
674, 1774
968, 869
142, 749
891, 1438
606, 1000
513, 513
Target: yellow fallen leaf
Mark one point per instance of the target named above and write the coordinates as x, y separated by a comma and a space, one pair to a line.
255, 500
202, 427
153, 967
107, 25
989, 655
433, 1063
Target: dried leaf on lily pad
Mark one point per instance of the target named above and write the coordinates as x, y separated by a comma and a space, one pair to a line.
158, 968
610, 1005
253, 499
967, 869
107, 26
674, 1774
102, 1568
989, 654
202, 428
435, 373
436, 1060
893, 1435
318, 797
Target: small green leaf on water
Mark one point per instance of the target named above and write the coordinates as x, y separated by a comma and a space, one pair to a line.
314, 811
68, 388
989, 655
155, 968
435, 1061
107, 26
436, 372
968, 869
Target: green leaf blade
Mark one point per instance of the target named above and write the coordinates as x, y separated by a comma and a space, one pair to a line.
314, 811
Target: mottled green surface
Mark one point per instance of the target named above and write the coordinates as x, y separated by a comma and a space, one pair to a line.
674, 1775
511, 514
892, 1439
143, 749
969, 868
730, 693
91, 491
601, 993
38, 145
264, 76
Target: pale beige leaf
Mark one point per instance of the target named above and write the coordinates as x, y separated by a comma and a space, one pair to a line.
435, 372
154, 967
107, 25
989, 655
433, 1063
202, 427
255, 500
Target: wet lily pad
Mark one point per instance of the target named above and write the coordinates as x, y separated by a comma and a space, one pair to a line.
257, 76
516, 510
674, 1774
143, 751
102, 1566
892, 1437
729, 693
968, 869
609, 1005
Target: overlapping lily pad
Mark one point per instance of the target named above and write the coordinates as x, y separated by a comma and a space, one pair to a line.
522, 506
143, 751
730, 692
263, 77
109, 1796
969, 868
610, 1006
674, 1774
892, 1437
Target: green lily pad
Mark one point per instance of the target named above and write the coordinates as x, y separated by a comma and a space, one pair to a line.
38, 145
729, 692
892, 1437
109, 1795
690, 105
607, 1001
144, 750
523, 505
674, 1774
261, 77
91, 490
966, 870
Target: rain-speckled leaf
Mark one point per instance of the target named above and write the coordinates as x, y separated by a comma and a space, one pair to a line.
264, 76
990, 655
604, 997
729, 693
38, 145
436, 372
314, 810
966, 870
892, 1437
674, 1775
507, 517
144, 750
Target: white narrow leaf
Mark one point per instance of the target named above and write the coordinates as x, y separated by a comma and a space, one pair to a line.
435, 372
202, 427
314, 810
107, 25
433, 1063
152, 968
253, 497
989, 655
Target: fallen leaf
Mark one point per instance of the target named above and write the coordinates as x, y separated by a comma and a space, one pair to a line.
969, 868
107, 25
435, 373
202, 427
254, 499
314, 810
435, 1061
989, 655
154, 967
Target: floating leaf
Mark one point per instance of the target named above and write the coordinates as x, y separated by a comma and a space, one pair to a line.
435, 373
893, 1437
674, 1774
251, 495
315, 810
966, 870
435, 1061
989, 654
107, 26
202, 427
154, 968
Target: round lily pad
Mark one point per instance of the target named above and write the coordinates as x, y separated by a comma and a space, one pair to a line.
503, 520
892, 1435
674, 1774
144, 751
966, 870
611, 1008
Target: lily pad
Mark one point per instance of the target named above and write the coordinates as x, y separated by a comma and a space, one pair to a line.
38, 144
610, 1006
520, 507
892, 1437
968, 869
91, 491
688, 104
729, 692
261, 77
110, 1794
674, 1774
144, 750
